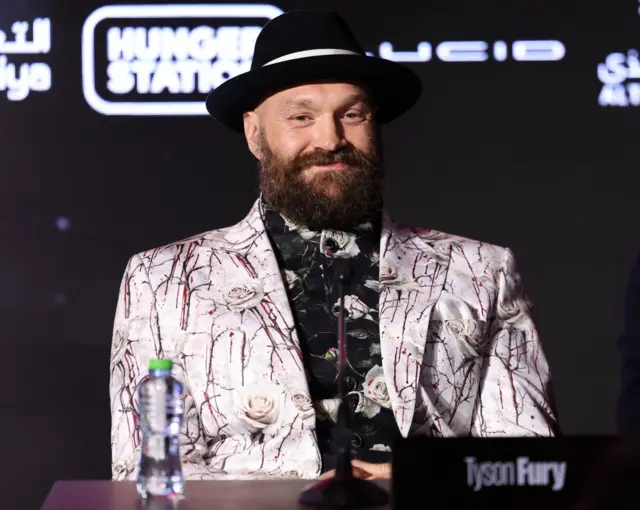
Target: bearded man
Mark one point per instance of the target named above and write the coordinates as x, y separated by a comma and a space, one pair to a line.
440, 337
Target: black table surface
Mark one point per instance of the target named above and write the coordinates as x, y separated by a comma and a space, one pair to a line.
277, 494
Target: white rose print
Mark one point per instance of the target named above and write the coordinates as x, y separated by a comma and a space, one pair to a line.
302, 231
242, 295
302, 403
233, 403
258, 407
291, 277
470, 334
118, 347
508, 307
372, 284
381, 448
432, 235
367, 407
512, 301
375, 387
345, 244
307, 234
328, 408
391, 279
442, 251
354, 308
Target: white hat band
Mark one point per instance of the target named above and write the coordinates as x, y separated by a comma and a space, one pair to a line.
310, 53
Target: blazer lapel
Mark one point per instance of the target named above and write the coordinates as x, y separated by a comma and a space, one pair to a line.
413, 269
253, 289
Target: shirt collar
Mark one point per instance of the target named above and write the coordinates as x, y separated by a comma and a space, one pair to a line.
371, 224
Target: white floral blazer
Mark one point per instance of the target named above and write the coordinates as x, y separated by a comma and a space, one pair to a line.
460, 352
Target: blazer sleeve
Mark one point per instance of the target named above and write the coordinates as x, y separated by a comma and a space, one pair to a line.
135, 341
628, 413
515, 392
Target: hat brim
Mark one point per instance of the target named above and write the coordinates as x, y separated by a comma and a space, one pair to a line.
394, 87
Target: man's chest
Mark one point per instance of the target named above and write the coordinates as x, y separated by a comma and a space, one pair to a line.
233, 319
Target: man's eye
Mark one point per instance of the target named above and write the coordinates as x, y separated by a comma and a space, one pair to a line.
354, 115
301, 118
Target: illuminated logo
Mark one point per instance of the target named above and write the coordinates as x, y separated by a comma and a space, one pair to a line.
615, 74
18, 80
478, 51
164, 59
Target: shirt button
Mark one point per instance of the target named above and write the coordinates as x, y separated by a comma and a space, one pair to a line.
331, 245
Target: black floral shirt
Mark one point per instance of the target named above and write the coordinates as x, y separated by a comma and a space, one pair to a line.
308, 261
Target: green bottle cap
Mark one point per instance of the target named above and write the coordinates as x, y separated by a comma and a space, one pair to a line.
160, 364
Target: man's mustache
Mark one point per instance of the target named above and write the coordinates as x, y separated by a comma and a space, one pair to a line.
348, 157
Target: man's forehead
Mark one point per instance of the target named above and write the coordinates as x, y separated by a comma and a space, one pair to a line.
319, 94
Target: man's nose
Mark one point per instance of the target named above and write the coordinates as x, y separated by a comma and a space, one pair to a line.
329, 135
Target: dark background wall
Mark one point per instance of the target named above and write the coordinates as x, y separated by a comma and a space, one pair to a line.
517, 153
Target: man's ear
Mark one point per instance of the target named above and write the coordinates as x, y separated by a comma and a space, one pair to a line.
252, 132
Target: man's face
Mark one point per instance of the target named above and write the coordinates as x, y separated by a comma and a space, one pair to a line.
320, 163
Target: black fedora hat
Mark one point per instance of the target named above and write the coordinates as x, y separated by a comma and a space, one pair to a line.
301, 47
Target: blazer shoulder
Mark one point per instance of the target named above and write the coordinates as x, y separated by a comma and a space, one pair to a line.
183, 248
228, 237
471, 249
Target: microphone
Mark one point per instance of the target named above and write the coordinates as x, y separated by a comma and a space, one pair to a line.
342, 273
343, 490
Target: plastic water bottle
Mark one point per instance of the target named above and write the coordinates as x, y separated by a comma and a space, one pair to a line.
161, 416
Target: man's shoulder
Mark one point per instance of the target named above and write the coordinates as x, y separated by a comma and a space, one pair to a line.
235, 234
186, 247
467, 248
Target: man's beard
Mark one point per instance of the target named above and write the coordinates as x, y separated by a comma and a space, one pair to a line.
357, 189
